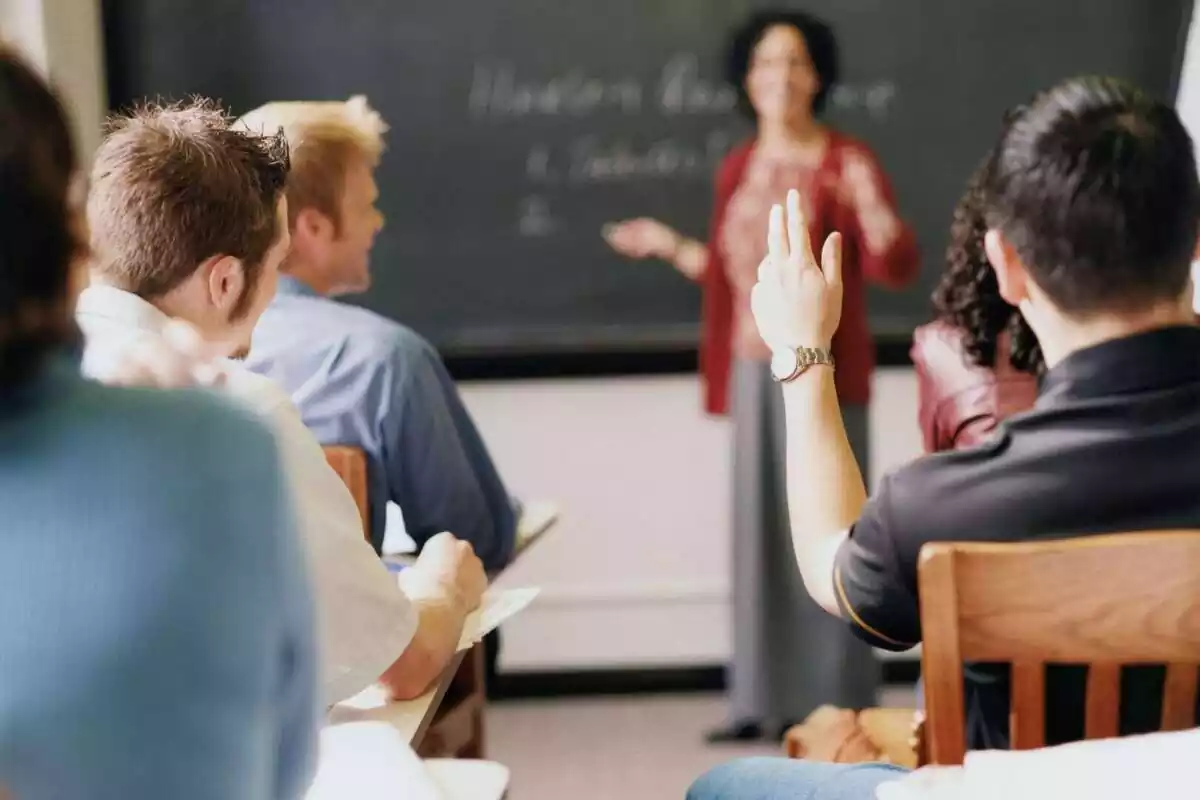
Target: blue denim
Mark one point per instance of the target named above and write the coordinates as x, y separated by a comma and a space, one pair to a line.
792, 779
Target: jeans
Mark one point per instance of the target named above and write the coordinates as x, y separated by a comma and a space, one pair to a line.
792, 779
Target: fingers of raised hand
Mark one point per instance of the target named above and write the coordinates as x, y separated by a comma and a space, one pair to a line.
797, 227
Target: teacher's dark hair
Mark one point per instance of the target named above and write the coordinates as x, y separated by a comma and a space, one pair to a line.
1094, 186
39, 239
968, 295
818, 37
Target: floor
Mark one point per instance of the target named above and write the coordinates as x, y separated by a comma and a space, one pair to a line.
614, 748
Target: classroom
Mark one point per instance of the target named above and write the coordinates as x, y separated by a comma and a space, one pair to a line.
722, 399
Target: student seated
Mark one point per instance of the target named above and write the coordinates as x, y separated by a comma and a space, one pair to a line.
1092, 204
977, 362
156, 634
189, 221
359, 378
976, 366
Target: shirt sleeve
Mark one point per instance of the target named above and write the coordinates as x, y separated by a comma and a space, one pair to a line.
297, 694
438, 468
885, 245
872, 592
365, 621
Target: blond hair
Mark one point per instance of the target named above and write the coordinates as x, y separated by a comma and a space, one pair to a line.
325, 138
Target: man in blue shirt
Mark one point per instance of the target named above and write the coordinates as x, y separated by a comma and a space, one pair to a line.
156, 634
359, 378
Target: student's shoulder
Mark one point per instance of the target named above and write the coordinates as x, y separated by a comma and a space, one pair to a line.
192, 424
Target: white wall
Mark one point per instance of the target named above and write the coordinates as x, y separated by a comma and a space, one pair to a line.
637, 573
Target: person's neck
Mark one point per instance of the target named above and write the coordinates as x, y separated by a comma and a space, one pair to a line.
1072, 335
799, 132
309, 275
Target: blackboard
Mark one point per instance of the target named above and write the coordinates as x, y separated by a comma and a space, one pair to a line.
520, 128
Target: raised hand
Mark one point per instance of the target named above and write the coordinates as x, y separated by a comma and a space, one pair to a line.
797, 301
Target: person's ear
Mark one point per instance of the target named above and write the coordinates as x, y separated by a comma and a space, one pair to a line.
1010, 272
226, 281
312, 227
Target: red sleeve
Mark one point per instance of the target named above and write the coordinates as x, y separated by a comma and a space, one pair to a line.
716, 339
929, 399
897, 265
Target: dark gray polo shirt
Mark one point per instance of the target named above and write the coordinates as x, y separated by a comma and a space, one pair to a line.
1112, 445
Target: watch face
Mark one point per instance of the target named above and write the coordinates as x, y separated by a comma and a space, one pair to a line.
783, 364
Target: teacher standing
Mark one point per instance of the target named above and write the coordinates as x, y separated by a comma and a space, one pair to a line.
788, 655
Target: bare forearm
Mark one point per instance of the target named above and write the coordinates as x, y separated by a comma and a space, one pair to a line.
825, 487
439, 628
690, 257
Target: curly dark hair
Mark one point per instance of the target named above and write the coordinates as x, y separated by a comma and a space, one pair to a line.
968, 295
818, 37
40, 238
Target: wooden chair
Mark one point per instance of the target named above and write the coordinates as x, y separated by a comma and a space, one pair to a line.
1103, 601
457, 730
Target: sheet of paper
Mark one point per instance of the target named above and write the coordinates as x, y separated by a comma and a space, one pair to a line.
459, 779
369, 761
497, 606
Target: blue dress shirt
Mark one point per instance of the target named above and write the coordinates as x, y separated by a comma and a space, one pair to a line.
363, 380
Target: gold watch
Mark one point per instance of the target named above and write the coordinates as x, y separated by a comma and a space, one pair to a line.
789, 363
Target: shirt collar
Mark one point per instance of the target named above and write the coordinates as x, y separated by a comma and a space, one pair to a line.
1160, 359
118, 305
294, 287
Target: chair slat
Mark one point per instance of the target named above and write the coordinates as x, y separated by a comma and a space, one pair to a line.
1028, 714
1102, 716
1179, 697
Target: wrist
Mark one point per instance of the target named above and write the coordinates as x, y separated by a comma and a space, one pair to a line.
419, 585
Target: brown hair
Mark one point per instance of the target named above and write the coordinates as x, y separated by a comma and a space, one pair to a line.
325, 139
173, 186
39, 240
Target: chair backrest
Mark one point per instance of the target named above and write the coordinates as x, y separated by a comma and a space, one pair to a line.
350, 463
1104, 601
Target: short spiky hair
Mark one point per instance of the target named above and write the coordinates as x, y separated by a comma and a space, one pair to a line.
325, 138
175, 185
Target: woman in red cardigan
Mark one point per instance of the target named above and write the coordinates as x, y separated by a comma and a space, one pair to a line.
788, 656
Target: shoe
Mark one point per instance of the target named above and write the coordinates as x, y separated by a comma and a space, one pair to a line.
741, 731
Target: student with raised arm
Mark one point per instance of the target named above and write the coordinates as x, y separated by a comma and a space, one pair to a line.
156, 630
1092, 206
189, 221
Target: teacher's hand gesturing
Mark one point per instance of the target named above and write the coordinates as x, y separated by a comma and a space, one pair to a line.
797, 302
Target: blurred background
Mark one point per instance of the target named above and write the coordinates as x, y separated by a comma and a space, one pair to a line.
518, 131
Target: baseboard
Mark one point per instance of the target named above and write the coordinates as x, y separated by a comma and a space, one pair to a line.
660, 680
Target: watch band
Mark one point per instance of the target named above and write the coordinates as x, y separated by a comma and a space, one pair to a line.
809, 357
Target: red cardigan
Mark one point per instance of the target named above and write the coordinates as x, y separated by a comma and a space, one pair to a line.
853, 346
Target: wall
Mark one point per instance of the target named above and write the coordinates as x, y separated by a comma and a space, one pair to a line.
637, 572
62, 37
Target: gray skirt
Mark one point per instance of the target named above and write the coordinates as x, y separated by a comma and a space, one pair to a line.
789, 655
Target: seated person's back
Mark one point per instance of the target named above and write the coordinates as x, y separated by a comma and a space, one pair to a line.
1091, 202
1112, 443
155, 639
358, 378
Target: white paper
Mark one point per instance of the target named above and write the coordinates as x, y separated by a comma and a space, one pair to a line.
497, 606
369, 761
